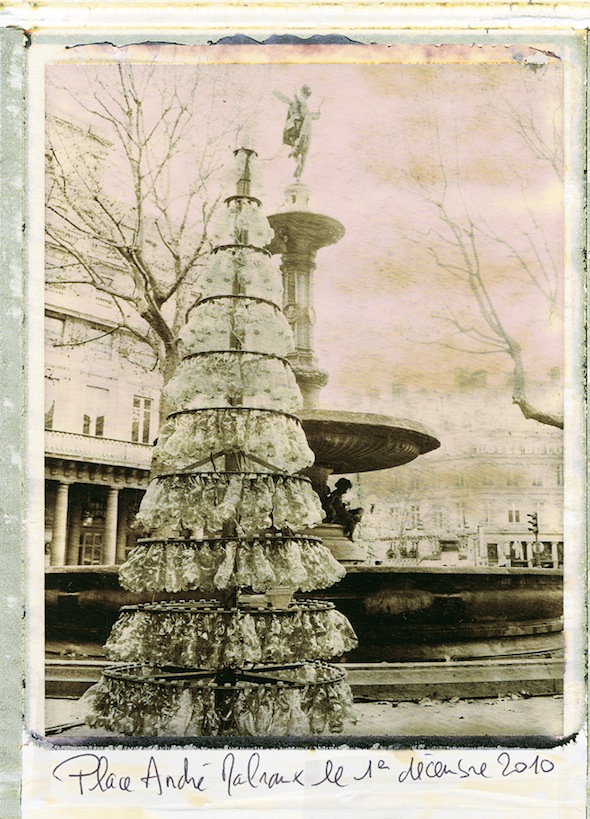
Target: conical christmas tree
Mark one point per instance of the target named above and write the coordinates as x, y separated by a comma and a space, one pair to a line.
226, 510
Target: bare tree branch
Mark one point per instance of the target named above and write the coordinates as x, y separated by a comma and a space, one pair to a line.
457, 236
128, 193
534, 414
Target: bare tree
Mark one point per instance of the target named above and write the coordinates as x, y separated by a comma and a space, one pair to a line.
131, 151
470, 246
465, 237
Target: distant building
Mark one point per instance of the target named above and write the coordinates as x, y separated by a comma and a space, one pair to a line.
101, 416
102, 387
472, 501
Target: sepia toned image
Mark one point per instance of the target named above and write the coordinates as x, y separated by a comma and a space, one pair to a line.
304, 391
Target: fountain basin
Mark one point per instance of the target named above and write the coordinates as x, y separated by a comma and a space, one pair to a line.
310, 230
348, 442
433, 614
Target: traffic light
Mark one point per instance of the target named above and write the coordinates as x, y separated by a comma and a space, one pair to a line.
533, 524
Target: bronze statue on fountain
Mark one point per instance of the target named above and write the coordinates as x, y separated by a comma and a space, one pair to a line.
297, 130
338, 510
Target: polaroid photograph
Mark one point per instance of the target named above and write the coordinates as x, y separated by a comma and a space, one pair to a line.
305, 424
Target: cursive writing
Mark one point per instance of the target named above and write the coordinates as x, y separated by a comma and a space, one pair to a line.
159, 782
538, 765
253, 776
419, 770
241, 772
92, 773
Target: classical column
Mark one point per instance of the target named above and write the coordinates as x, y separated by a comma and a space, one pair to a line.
122, 530
110, 528
73, 548
60, 526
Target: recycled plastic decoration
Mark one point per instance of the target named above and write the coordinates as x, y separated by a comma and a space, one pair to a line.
201, 634
210, 564
227, 511
142, 700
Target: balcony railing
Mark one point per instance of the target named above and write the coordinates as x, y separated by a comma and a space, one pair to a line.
97, 450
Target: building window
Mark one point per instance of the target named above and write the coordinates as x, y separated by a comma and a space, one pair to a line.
487, 476
141, 419
93, 340
492, 554
414, 516
50, 394
54, 330
96, 407
91, 548
100, 341
518, 551
514, 516
136, 351
512, 479
461, 516
92, 500
102, 346
537, 479
489, 512
439, 518
560, 474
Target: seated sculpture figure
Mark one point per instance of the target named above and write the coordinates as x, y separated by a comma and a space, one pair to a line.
338, 510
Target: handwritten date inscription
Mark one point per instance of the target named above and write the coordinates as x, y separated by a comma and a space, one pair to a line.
238, 773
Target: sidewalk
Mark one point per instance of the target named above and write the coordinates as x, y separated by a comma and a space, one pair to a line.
506, 716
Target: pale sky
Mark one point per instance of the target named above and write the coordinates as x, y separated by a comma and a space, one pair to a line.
389, 134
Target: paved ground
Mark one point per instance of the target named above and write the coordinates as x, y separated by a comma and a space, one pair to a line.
507, 716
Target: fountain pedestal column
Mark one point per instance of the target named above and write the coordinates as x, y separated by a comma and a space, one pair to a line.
299, 234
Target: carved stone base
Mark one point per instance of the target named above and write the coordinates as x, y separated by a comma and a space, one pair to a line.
343, 549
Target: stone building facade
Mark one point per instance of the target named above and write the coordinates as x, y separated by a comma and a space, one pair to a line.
472, 501
101, 416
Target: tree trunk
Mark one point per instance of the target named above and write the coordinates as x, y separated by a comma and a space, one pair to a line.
519, 398
170, 361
